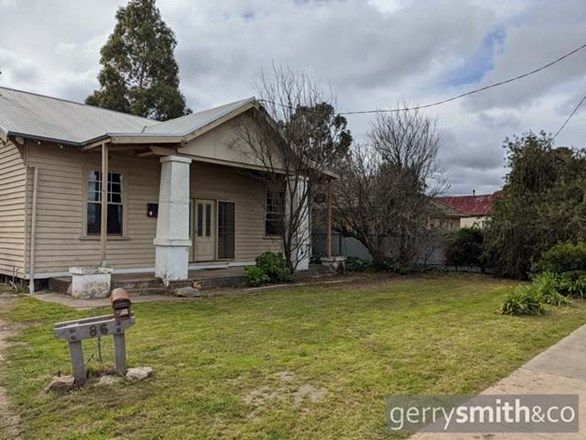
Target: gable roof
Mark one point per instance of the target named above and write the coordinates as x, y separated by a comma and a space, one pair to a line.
185, 125
35, 116
471, 205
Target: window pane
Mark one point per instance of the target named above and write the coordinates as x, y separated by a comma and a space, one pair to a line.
115, 177
93, 176
116, 198
114, 219
93, 195
199, 219
115, 188
94, 211
272, 227
208, 220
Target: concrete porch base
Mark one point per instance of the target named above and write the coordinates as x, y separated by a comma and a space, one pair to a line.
335, 264
90, 282
210, 278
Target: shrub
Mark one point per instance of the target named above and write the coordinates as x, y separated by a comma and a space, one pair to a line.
393, 266
541, 204
529, 300
273, 264
572, 284
354, 264
387, 265
523, 301
546, 289
465, 247
255, 276
563, 257
270, 267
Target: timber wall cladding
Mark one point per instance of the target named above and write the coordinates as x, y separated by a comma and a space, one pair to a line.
60, 240
217, 182
12, 209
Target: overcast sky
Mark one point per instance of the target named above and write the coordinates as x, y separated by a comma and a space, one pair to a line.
373, 53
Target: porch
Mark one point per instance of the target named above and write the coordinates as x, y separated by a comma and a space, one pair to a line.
207, 277
156, 219
201, 213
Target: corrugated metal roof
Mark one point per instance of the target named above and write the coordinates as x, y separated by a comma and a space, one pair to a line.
67, 121
44, 117
188, 124
474, 205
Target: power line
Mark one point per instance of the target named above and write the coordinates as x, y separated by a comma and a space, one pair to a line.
569, 117
453, 98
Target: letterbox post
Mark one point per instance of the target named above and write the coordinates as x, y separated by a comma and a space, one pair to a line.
76, 352
120, 353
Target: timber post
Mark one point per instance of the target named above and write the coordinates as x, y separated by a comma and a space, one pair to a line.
104, 206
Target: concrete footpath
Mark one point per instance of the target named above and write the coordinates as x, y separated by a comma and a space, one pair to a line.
561, 369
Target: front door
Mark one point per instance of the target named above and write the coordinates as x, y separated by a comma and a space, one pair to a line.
204, 230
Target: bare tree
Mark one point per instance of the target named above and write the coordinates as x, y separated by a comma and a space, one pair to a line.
358, 210
383, 197
304, 145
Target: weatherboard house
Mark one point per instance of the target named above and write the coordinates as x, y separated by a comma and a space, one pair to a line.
89, 191
465, 211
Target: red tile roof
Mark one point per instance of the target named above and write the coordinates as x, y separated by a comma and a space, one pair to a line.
470, 205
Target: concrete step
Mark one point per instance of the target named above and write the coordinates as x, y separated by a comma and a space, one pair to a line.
59, 285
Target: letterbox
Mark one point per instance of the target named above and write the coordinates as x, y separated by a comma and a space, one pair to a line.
120, 303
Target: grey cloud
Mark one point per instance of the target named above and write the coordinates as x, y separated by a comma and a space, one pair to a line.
542, 33
374, 53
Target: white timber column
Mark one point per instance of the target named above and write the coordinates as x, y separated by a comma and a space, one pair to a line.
172, 243
329, 220
104, 208
297, 186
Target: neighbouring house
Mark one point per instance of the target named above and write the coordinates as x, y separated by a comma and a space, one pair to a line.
463, 211
180, 194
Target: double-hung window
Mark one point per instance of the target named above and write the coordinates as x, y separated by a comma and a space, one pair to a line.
275, 211
94, 203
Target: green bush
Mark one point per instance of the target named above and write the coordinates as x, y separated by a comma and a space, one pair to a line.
393, 266
255, 276
563, 257
275, 266
572, 284
270, 268
529, 300
465, 247
523, 301
546, 288
354, 264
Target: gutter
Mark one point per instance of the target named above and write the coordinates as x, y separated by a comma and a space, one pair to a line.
43, 139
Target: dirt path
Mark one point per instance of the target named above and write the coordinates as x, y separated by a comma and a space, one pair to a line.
9, 421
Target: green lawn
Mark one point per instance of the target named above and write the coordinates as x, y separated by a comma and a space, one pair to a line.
312, 362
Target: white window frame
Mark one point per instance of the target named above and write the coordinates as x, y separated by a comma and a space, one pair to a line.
87, 200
